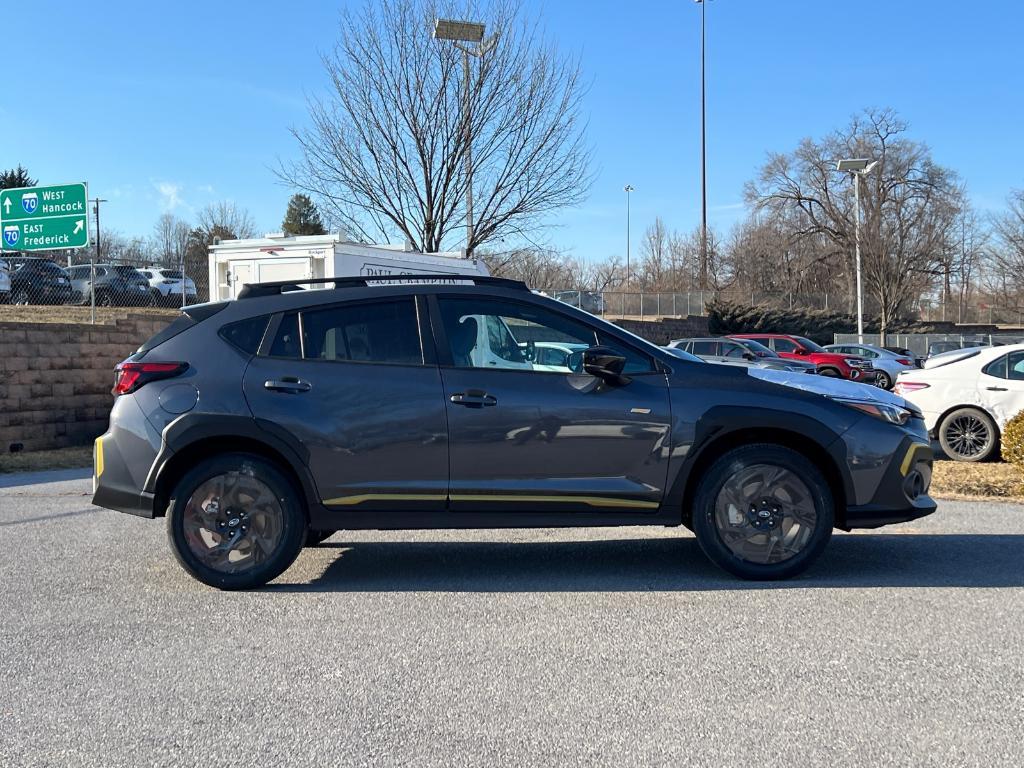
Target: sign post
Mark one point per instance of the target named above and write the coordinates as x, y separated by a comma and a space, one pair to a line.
45, 218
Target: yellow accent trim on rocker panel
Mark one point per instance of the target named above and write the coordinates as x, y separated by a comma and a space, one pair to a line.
592, 501
914, 448
360, 498
97, 457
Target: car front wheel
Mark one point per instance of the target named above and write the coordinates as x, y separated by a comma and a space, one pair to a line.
763, 512
235, 521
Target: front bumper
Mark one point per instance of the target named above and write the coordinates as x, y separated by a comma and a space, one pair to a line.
902, 494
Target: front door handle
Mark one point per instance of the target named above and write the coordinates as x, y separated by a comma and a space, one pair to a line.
996, 389
288, 384
473, 398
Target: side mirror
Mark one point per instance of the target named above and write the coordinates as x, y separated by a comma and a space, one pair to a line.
605, 363
802, 351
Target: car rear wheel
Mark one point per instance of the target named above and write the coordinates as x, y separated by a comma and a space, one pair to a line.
20, 297
883, 380
763, 512
235, 521
968, 434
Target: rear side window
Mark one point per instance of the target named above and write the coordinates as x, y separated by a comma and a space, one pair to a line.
705, 348
245, 335
379, 332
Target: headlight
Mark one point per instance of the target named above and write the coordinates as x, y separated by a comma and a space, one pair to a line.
853, 362
894, 414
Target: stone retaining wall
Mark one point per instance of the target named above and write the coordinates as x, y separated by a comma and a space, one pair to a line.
55, 378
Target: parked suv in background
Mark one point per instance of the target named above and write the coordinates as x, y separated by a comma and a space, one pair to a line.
38, 281
117, 285
740, 352
260, 424
165, 285
829, 363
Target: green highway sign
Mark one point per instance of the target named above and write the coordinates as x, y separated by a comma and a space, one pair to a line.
44, 218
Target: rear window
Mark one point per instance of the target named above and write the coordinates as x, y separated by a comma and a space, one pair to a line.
189, 317
173, 274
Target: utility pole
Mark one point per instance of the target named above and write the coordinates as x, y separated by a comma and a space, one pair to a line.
92, 262
703, 162
628, 188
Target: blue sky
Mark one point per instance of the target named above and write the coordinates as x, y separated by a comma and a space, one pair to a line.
169, 106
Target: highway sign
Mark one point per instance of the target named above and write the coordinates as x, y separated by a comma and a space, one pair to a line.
45, 218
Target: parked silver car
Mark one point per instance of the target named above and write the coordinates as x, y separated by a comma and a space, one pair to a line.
743, 352
887, 363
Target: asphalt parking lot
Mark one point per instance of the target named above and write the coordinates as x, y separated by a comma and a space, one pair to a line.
595, 646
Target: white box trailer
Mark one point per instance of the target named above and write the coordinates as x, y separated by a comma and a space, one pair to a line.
233, 263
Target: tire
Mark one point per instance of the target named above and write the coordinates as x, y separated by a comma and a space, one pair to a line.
104, 299
968, 434
198, 533
314, 537
20, 297
883, 380
832, 372
793, 502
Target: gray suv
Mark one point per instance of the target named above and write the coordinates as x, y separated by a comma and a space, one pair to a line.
259, 425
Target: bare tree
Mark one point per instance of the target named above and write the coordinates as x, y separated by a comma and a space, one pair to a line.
909, 204
384, 152
224, 219
169, 240
1007, 252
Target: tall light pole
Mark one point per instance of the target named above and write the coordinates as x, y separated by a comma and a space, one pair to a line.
703, 162
627, 189
857, 168
460, 32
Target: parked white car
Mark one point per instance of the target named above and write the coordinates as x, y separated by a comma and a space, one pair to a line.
5, 282
887, 363
166, 283
967, 396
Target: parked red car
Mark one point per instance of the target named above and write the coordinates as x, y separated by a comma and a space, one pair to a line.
829, 363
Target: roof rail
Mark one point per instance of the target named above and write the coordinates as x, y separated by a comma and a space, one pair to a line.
253, 290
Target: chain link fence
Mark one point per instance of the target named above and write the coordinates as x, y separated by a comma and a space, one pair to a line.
27, 280
922, 345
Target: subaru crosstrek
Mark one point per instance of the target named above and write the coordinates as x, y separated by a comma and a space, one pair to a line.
262, 424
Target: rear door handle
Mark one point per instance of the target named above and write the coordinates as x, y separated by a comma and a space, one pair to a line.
288, 384
996, 389
474, 398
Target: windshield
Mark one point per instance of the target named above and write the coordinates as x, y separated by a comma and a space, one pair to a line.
756, 347
810, 345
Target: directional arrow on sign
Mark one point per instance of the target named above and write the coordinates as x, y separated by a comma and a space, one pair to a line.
7, 205
78, 225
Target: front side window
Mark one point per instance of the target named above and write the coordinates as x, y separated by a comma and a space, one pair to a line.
731, 349
492, 333
379, 332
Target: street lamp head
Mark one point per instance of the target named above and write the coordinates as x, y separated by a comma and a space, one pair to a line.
855, 164
464, 31
628, 188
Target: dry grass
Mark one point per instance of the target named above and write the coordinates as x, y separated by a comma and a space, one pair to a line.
987, 480
10, 313
36, 461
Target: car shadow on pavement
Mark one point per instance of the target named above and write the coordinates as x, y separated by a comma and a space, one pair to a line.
660, 564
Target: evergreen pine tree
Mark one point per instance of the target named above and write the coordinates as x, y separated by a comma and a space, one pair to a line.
302, 217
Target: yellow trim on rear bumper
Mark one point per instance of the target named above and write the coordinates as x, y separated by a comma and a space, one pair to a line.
908, 458
97, 457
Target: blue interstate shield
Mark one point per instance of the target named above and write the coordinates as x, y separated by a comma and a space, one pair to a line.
12, 235
30, 201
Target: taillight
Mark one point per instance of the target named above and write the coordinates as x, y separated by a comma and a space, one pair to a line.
904, 361
903, 387
129, 376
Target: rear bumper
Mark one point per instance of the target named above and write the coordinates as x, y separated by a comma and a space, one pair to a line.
112, 484
902, 495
